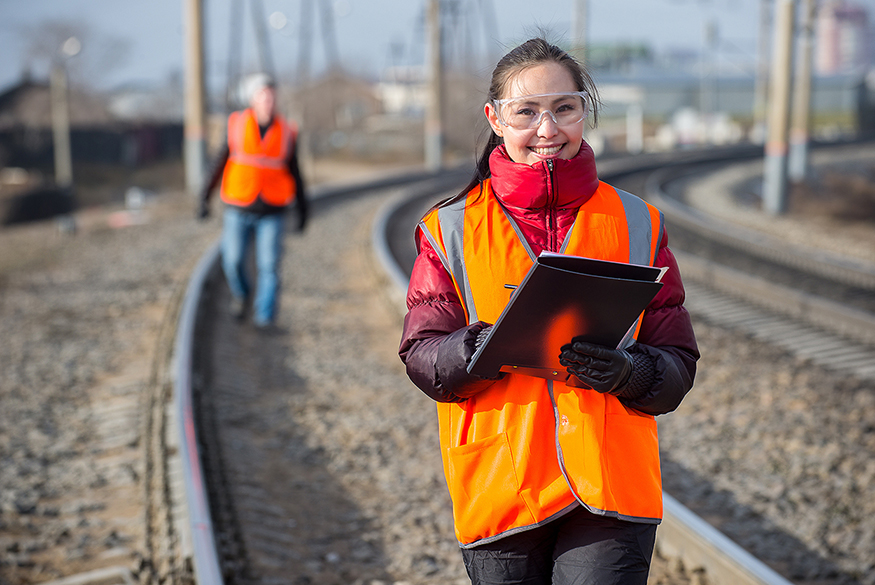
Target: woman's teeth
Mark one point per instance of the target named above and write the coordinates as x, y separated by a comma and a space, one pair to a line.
547, 151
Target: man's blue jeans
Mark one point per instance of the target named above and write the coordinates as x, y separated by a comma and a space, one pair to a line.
237, 231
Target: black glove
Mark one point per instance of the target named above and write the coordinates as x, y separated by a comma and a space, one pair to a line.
601, 368
203, 210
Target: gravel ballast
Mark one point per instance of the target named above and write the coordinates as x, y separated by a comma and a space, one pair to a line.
783, 445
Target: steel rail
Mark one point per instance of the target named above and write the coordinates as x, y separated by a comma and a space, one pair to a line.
832, 316
821, 262
197, 539
197, 535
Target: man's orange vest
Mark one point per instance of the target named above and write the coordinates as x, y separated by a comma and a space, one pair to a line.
258, 166
527, 450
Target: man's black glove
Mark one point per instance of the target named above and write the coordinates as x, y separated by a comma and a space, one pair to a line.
601, 368
203, 210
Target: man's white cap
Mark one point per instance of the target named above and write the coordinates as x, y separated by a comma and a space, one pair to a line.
253, 83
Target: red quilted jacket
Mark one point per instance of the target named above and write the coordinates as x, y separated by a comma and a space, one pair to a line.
437, 341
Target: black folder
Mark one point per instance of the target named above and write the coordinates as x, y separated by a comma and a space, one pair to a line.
564, 297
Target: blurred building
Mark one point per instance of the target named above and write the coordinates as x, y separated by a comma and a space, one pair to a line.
844, 38
333, 112
28, 104
404, 91
683, 109
146, 103
101, 130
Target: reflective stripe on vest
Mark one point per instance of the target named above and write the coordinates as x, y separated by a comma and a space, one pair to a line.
258, 165
524, 450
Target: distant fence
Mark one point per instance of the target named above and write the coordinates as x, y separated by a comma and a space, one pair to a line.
118, 144
125, 145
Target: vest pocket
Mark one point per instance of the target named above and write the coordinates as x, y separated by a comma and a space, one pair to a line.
632, 458
484, 489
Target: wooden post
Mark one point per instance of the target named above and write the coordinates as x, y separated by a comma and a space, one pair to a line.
775, 171
195, 117
433, 116
762, 77
61, 128
581, 25
801, 115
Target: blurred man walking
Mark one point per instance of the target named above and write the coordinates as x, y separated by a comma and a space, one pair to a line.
260, 179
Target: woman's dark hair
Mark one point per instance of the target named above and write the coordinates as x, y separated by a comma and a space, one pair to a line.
529, 54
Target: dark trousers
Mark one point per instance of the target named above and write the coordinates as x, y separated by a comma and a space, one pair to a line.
576, 549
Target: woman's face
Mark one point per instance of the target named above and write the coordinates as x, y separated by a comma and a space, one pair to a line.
547, 140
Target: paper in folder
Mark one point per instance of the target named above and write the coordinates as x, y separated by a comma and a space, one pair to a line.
560, 298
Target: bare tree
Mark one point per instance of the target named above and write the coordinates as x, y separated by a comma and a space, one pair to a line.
100, 53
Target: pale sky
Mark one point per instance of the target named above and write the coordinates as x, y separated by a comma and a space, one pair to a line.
151, 31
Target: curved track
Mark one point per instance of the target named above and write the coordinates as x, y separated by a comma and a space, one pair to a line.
683, 533
741, 276
215, 523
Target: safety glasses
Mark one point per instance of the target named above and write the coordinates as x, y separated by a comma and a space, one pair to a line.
528, 111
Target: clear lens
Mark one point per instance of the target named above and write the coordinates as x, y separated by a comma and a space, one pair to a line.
528, 111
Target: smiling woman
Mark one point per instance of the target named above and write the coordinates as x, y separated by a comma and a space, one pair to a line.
551, 482
537, 124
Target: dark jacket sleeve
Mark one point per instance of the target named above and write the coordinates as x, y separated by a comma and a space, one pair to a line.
437, 343
215, 174
300, 189
667, 336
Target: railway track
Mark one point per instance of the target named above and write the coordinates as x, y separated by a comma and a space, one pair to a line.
810, 292
244, 528
235, 534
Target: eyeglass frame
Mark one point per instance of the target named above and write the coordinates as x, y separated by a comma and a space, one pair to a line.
581, 94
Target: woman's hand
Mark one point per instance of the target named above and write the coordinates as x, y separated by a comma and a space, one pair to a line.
601, 368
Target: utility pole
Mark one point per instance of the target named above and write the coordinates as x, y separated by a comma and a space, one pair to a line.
304, 44
61, 128
634, 128
265, 55
580, 20
581, 24
762, 76
59, 95
329, 38
775, 171
60, 108
305, 32
708, 79
801, 116
195, 118
235, 44
490, 30
434, 134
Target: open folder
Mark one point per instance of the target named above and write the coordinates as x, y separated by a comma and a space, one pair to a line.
564, 297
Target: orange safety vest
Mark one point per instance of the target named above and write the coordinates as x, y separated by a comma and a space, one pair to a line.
258, 166
527, 450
